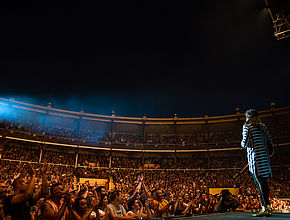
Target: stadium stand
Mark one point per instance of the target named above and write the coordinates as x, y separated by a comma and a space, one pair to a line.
189, 159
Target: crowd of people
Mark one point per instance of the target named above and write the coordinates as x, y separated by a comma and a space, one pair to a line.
180, 188
46, 127
107, 136
15, 150
22, 151
52, 192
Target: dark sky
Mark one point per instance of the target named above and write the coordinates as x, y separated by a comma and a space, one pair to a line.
157, 58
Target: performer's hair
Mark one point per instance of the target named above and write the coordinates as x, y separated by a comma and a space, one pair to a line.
253, 117
251, 113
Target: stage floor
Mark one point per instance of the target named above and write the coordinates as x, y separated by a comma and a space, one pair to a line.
232, 216
240, 215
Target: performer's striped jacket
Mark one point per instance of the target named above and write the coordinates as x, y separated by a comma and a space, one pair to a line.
255, 137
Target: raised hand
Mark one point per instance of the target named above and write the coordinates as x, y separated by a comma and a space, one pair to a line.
30, 169
138, 179
44, 168
147, 203
140, 203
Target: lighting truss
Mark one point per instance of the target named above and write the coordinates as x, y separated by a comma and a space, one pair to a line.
279, 11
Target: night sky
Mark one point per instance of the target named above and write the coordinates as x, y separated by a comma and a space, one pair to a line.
155, 58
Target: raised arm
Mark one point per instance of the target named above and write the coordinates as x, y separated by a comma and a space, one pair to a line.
148, 214
187, 208
245, 135
44, 188
138, 187
19, 198
140, 214
175, 206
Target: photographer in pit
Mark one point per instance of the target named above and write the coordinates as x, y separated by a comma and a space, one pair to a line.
226, 202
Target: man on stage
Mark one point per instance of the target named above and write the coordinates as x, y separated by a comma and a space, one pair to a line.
259, 146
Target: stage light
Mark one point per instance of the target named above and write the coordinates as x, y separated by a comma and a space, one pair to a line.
5, 110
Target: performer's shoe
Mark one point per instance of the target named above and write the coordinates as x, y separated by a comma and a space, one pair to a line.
261, 213
268, 211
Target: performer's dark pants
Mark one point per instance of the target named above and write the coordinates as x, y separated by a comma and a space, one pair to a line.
263, 188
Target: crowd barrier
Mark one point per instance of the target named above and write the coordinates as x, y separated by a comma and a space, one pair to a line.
126, 168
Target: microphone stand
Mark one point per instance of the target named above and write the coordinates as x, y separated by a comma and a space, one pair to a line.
241, 172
